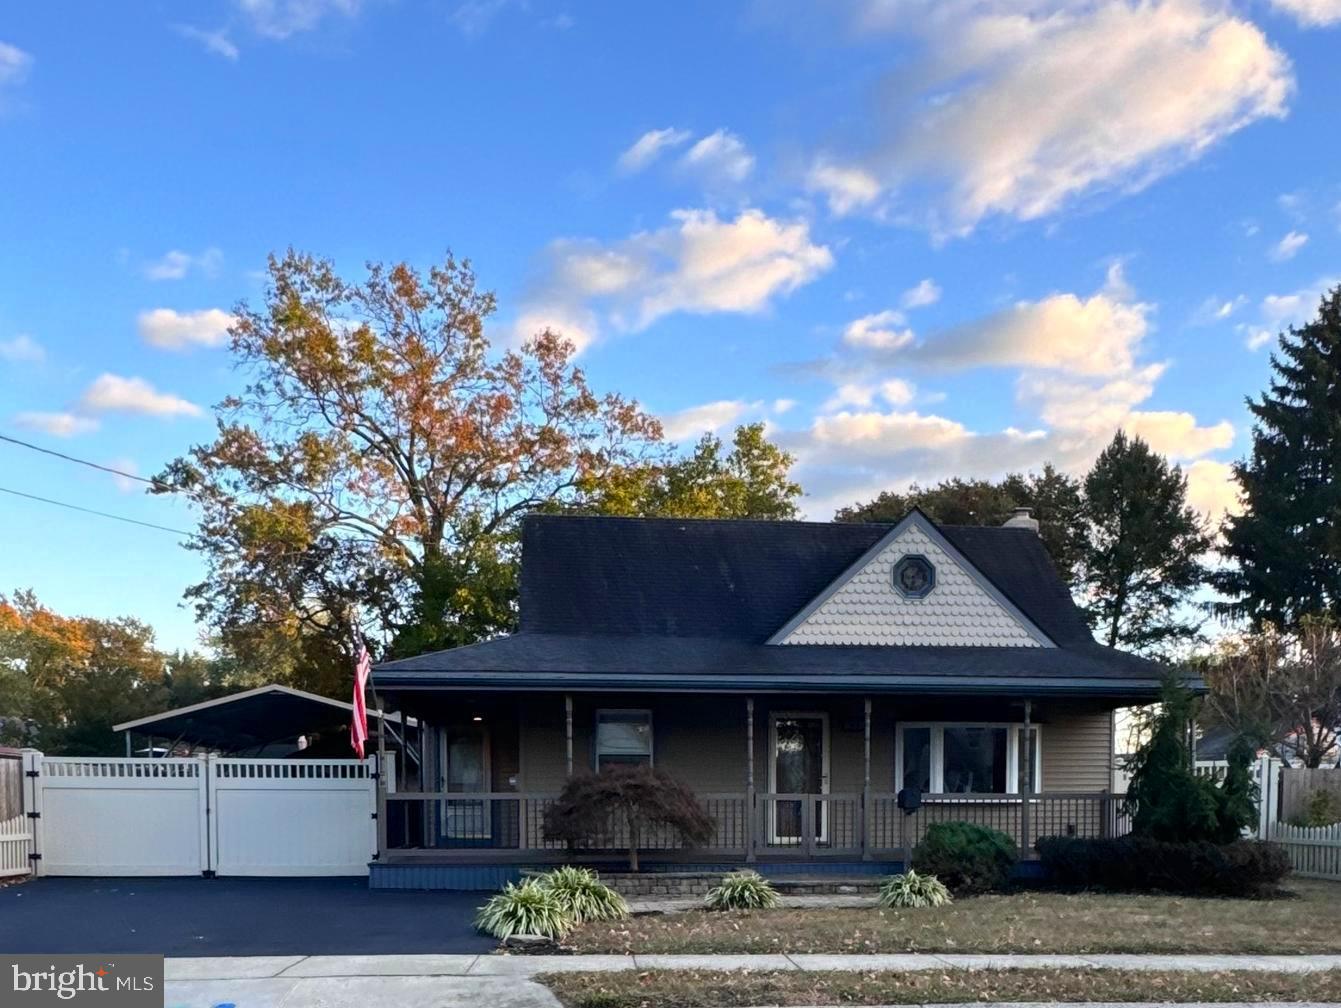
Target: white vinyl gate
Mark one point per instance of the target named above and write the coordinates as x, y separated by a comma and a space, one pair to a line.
202, 815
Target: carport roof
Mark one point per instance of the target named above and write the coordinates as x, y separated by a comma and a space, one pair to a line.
255, 717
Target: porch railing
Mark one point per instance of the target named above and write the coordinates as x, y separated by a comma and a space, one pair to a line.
509, 826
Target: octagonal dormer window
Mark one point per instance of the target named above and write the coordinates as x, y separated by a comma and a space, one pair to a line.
914, 577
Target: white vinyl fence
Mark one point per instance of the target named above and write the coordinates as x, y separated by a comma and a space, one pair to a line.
202, 815
1315, 851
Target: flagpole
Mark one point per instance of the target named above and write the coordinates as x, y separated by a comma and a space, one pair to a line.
380, 777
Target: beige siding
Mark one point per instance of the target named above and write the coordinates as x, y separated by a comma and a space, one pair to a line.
1077, 750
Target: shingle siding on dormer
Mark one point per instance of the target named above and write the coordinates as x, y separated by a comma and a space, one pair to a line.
867, 609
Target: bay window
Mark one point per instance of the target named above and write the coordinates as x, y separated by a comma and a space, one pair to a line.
967, 758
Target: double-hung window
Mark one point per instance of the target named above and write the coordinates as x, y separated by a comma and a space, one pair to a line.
967, 758
623, 736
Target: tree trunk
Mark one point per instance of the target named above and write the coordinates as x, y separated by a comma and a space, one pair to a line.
633, 840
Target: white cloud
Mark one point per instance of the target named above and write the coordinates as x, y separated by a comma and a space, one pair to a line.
174, 330
846, 187
719, 158
781, 406
705, 419
213, 41
1311, 13
849, 394
279, 19
1025, 106
878, 331
1279, 312
898, 392
14, 64
1177, 435
928, 292
62, 425
1288, 246
1079, 378
698, 263
22, 349
111, 393
176, 264
1212, 489
1096, 336
648, 147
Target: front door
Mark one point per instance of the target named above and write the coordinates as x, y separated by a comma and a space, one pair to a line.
800, 765
465, 763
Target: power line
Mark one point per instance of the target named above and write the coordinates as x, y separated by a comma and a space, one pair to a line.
92, 465
100, 514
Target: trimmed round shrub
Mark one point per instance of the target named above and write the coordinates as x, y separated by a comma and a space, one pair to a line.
913, 890
584, 895
529, 908
1245, 868
966, 857
742, 890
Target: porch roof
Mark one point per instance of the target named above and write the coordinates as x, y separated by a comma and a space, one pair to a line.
539, 661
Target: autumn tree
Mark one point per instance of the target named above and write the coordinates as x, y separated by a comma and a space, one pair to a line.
1144, 550
65, 680
380, 456
1285, 545
1054, 497
751, 480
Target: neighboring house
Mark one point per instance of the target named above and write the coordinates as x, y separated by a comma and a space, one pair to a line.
796, 675
1213, 747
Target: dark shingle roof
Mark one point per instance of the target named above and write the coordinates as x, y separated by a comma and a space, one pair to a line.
624, 600
741, 580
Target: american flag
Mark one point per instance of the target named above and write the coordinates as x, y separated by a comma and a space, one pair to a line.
358, 726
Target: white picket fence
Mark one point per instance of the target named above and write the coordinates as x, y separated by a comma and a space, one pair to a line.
1315, 851
15, 845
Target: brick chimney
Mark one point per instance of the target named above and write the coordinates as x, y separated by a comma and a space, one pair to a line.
1022, 517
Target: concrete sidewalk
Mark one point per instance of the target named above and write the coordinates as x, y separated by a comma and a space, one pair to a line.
469, 981
320, 967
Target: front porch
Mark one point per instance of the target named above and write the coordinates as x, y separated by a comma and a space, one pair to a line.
792, 782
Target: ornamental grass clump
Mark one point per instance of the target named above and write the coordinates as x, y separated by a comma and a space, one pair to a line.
526, 909
913, 890
583, 895
742, 890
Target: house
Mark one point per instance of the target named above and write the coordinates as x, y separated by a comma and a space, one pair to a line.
796, 675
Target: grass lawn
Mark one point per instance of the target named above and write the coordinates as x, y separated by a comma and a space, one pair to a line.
717, 989
1016, 922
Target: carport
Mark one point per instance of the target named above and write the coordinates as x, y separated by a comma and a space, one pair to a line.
266, 721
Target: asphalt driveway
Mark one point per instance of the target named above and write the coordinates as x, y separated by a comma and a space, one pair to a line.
233, 917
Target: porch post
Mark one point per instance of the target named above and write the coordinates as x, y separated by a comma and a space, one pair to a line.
1028, 791
127, 734
866, 785
749, 779
568, 731
380, 812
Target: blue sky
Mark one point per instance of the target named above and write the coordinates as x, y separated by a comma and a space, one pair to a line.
918, 238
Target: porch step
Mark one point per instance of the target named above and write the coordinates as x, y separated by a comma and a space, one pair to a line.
827, 885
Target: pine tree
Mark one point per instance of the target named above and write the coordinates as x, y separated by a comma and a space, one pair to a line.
1286, 544
1143, 558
